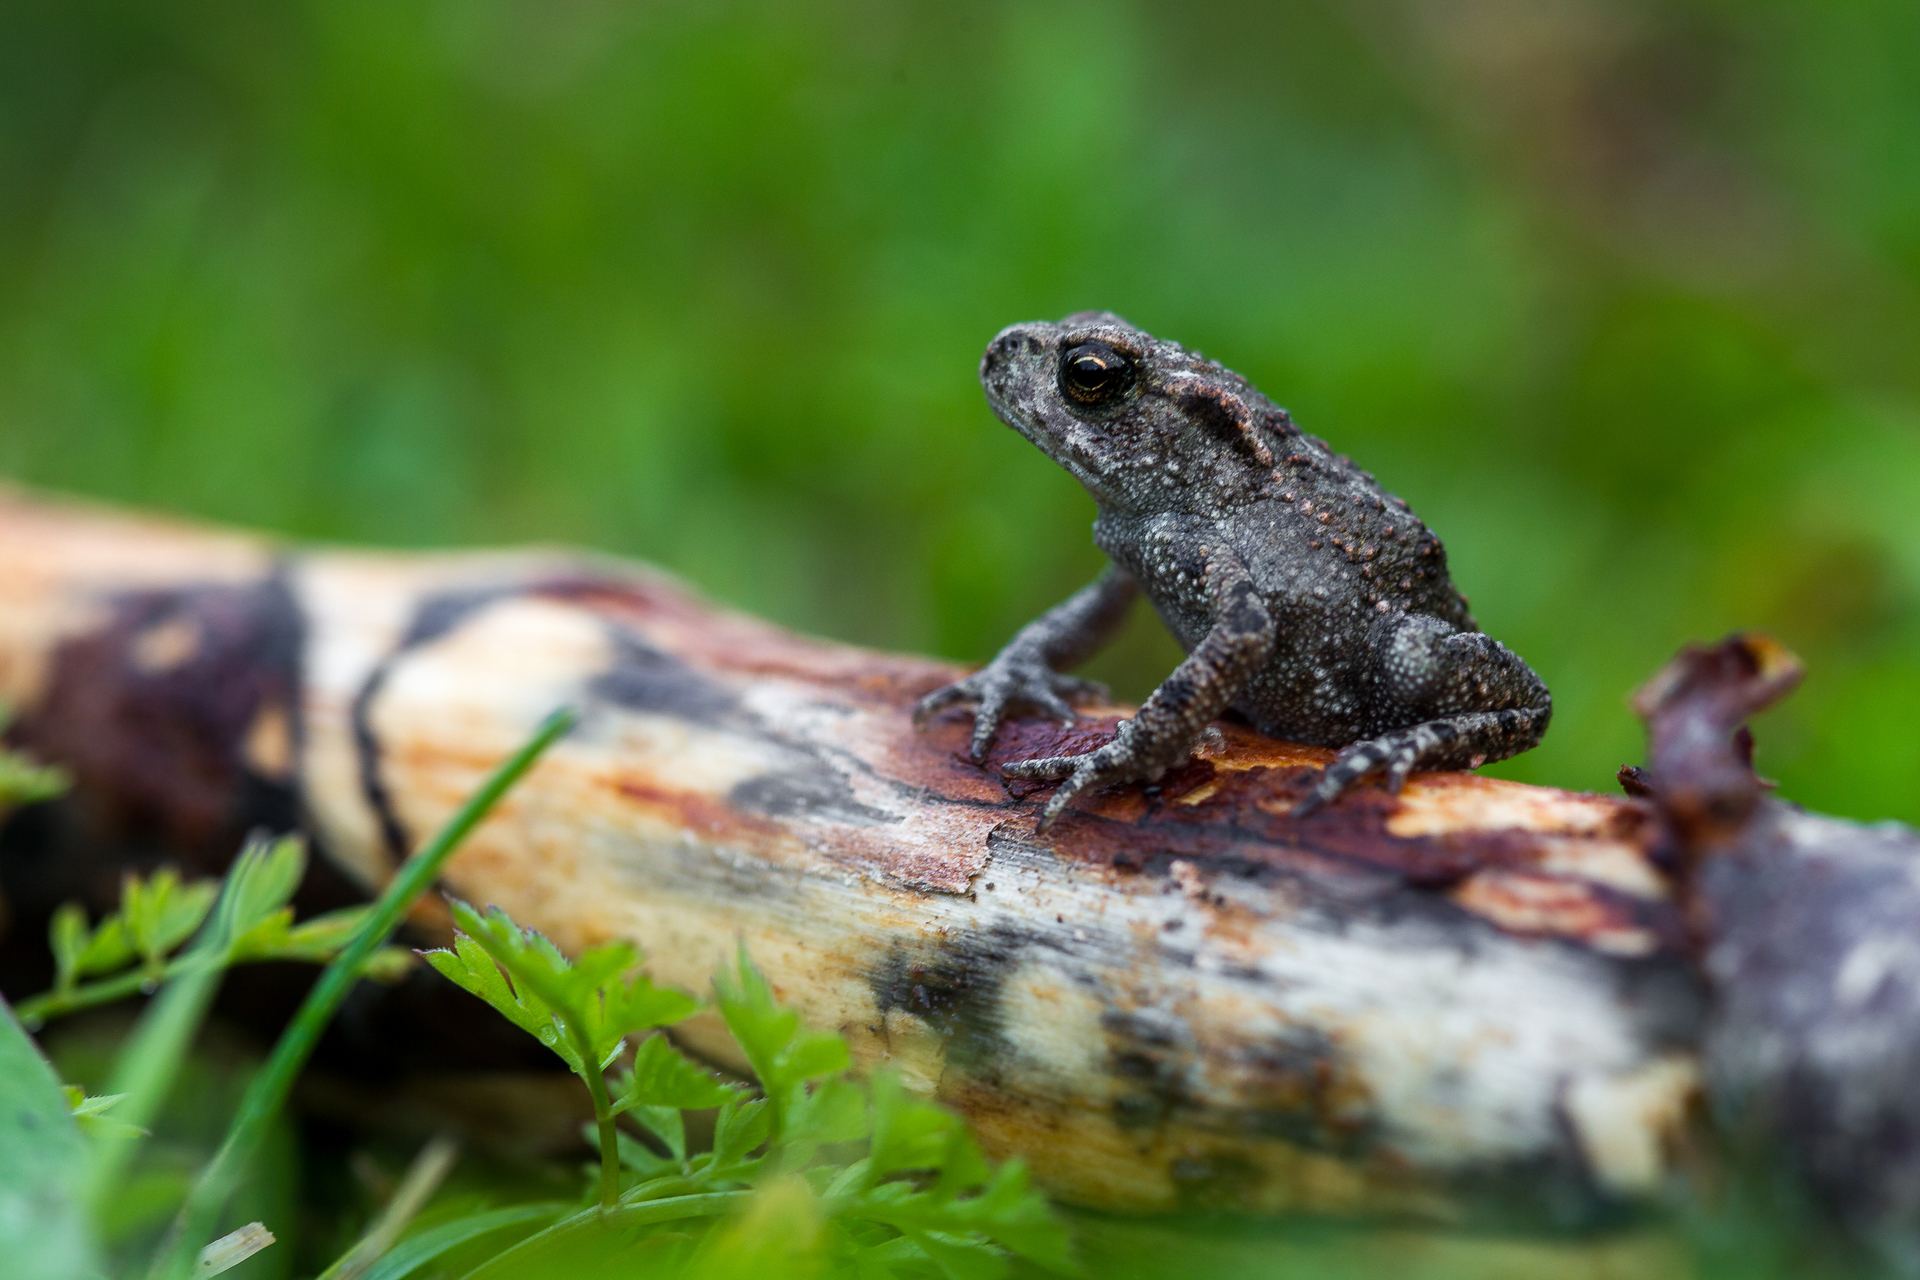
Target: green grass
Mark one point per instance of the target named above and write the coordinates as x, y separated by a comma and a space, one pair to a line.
1630, 316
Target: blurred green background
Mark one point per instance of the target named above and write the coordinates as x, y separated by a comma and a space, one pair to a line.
1621, 296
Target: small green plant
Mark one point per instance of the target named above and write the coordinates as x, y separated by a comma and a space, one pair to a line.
24, 782
852, 1179
68, 1153
241, 919
134, 949
581, 1010
267, 1092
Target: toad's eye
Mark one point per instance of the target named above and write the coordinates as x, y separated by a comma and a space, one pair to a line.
1094, 373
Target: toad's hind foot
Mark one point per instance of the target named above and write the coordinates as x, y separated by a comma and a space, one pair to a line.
1457, 742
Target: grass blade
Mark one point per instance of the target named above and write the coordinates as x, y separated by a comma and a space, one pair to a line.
146, 1067
232, 1249
267, 1092
423, 1178
43, 1160
410, 1255
511, 1263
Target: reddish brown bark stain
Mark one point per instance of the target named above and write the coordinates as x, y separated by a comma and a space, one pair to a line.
1242, 825
696, 812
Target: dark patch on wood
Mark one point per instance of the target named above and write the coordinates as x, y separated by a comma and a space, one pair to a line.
1307, 1094
810, 793
151, 714
1149, 1049
1669, 1000
643, 678
366, 748
956, 991
1310, 1094
437, 615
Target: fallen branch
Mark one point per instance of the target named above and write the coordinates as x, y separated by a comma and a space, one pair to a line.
1476, 993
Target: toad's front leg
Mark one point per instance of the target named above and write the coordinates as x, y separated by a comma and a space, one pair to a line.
1465, 699
1030, 669
1161, 734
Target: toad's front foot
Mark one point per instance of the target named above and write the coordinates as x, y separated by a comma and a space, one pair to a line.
1013, 677
1133, 756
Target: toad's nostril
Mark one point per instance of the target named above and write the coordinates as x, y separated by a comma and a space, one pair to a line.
999, 352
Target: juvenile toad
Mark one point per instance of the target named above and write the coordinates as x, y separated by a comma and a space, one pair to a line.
1307, 598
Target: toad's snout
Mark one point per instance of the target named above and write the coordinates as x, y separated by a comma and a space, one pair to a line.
1006, 351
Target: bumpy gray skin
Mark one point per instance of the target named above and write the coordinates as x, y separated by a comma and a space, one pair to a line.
1307, 598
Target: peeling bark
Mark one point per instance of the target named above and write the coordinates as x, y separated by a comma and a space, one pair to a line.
1475, 995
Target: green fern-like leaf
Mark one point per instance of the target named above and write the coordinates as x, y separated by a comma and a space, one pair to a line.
79, 952
89, 1111
785, 1055
474, 969
662, 1076
595, 998
161, 912
920, 1202
24, 782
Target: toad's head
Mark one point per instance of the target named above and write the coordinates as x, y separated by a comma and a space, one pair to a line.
1145, 425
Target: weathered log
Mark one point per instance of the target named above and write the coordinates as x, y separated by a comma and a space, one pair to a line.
1476, 992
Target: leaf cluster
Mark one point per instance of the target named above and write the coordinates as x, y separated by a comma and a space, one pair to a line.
864, 1178
24, 782
89, 1111
582, 1010
61, 1193
136, 948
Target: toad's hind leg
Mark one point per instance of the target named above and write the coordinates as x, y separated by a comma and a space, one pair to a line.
1466, 697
